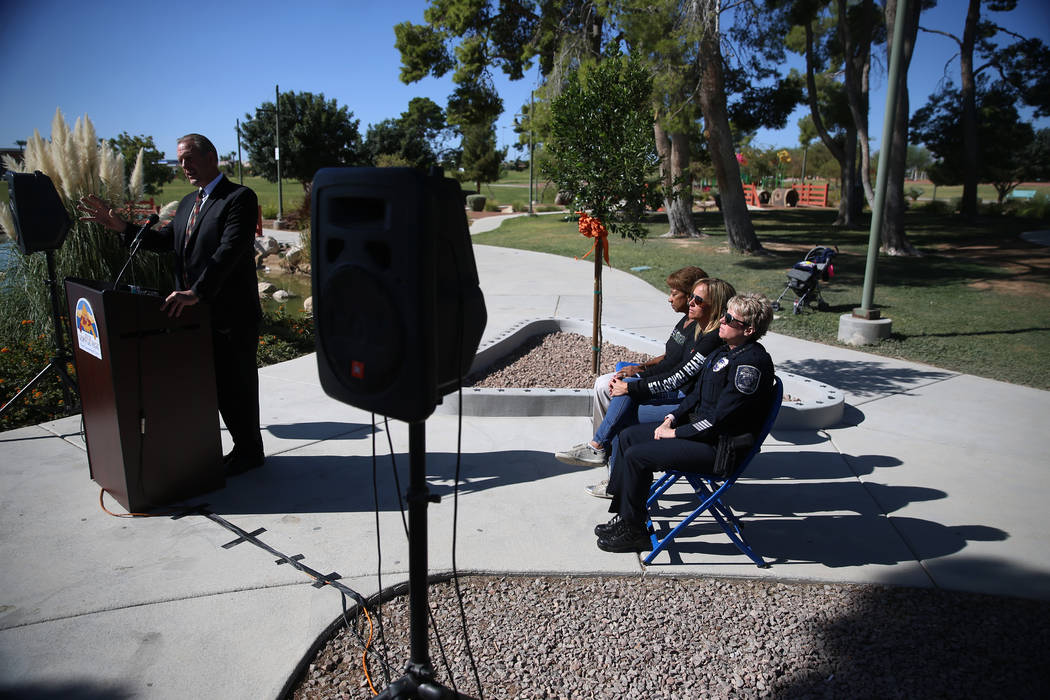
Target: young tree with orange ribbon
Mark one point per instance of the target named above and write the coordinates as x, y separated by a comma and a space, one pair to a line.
601, 149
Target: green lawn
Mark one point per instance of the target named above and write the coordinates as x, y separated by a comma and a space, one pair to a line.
985, 192
976, 302
265, 190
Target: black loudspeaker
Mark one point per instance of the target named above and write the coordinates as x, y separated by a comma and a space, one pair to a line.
41, 221
398, 309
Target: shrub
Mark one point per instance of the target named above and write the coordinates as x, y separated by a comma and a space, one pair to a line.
476, 202
23, 354
492, 206
937, 207
269, 211
283, 338
519, 206
1038, 207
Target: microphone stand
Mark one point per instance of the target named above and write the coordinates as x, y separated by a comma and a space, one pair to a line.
135, 244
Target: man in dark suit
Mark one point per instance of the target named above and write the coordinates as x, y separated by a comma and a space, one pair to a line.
212, 237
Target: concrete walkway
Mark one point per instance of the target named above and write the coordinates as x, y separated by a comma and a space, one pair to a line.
933, 479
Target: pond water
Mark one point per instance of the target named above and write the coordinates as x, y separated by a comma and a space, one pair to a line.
299, 285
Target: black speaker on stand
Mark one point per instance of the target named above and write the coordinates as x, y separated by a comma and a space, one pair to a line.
398, 314
41, 224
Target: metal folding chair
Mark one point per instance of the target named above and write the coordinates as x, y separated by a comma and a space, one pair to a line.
710, 492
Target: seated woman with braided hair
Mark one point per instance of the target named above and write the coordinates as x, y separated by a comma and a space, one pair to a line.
731, 398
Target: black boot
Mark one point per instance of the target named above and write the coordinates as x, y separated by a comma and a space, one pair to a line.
606, 529
628, 537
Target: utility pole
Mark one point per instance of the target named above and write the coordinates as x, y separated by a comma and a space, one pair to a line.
240, 171
865, 326
531, 115
277, 152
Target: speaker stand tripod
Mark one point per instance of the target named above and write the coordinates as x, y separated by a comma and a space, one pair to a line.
418, 681
57, 364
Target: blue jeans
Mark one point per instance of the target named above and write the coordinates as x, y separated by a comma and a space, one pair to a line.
624, 411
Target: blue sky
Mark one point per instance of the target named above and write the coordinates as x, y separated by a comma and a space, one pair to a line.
164, 69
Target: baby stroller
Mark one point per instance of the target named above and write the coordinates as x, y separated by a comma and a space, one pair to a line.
804, 278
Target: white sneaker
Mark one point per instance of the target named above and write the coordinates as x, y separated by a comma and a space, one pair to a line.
599, 490
583, 455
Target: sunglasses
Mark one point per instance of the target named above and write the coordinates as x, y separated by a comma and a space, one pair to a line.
729, 321
696, 299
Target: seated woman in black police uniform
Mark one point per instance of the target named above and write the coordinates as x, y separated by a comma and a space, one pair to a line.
731, 398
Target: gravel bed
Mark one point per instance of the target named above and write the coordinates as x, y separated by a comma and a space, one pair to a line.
558, 360
662, 637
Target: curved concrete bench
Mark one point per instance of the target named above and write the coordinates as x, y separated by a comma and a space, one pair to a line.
808, 404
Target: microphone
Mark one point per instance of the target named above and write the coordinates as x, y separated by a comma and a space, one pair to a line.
153, 219
137, 241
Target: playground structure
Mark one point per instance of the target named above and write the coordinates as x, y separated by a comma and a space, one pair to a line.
801, 194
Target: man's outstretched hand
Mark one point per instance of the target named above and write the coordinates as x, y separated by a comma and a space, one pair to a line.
99, 212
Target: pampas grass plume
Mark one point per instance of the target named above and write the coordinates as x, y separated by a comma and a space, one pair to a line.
137, 182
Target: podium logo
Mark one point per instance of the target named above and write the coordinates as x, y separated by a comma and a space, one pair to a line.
87, 329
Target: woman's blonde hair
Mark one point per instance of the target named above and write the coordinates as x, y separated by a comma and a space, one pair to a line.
719, 292
756, 311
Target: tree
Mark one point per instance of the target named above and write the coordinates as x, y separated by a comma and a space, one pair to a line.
835, 39
601, 145
893, 238
1021, 65
1039, 155
601, 148
415, 139
481, 160
469, 36
917, 161
228, 164
1003, 156
315, 133
681, 42
155, 173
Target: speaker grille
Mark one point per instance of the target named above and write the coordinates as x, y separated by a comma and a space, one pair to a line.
364, 339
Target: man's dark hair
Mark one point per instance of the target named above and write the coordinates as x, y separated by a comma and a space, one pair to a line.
200, 143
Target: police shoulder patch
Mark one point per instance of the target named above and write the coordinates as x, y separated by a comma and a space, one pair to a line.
747, 379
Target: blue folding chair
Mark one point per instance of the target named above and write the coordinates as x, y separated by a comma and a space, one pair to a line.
710, 492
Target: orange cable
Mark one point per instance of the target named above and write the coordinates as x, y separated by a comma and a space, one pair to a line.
364, 654
102, 505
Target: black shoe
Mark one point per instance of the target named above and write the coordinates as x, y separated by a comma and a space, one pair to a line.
606, 529
626, 538
235, 464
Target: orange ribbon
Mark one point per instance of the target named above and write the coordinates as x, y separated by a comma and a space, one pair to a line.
594, 228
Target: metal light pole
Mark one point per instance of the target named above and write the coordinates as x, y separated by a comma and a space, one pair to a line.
240, 171
531, 115
892, 83
277, 152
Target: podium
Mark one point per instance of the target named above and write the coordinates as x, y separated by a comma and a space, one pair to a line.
147, 391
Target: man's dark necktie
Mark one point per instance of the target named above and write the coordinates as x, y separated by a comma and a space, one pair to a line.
189, 230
